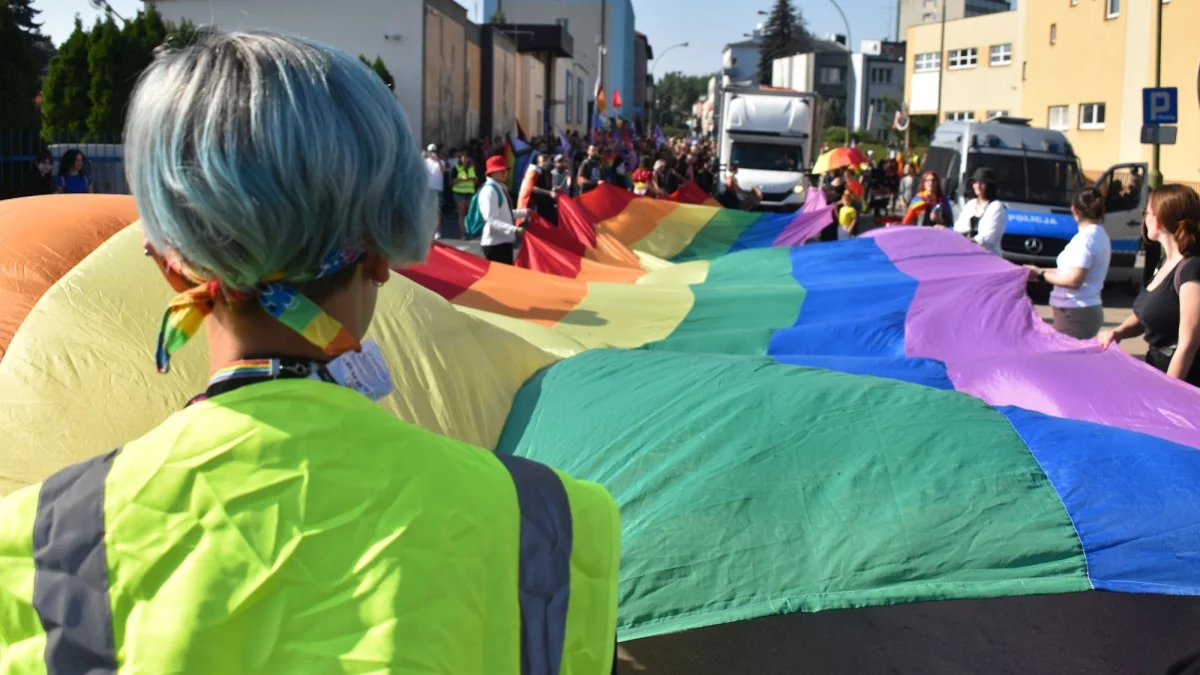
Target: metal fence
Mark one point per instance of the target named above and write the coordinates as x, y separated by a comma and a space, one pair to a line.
104, 160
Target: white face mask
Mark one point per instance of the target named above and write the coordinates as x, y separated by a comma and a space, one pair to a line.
365, 372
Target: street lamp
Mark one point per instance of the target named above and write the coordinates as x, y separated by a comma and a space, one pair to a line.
849, 67
655, 67
660, 57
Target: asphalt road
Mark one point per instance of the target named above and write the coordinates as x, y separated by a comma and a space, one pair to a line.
1089, 633
1118, 301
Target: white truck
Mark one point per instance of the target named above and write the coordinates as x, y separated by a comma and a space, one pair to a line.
770, 135
1037, 174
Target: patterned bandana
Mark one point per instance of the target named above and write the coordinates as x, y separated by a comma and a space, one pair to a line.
274, 293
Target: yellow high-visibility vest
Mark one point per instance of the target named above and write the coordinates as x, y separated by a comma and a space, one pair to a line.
293, 526
464, 188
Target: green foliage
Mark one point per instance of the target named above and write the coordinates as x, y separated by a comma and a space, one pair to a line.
785, 34
182, 34
66, 104
497, 18
91, 79
676, 93
921, 128
380, 69
106, 56
39, 46
19, 76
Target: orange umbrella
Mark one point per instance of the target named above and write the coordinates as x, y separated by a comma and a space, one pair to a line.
838, 158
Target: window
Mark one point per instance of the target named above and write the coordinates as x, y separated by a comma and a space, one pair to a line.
1113, 7
569, 103
1053, 33
1074, 3
881, 75
1060, 117
962, 58
766, 156
960, 116
927, 62
579, 99
929, 17
565, 23
831, 75
993, 114
1030, 180
1091, 116
1001, 54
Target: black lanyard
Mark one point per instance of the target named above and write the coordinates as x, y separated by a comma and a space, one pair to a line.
257, 369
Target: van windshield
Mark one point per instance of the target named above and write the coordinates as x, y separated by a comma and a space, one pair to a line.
766, 156
1031, 180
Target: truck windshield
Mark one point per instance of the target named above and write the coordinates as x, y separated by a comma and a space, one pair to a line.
1031, 180
766, 156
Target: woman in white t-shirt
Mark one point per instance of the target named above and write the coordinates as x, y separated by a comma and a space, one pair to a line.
984, 217
1082, 268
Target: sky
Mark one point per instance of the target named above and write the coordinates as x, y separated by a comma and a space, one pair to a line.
706, 25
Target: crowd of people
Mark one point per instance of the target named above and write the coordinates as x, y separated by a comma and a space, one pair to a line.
71, 177
865, 196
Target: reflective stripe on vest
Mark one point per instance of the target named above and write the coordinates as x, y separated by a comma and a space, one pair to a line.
545, 563
70, 584
71, 581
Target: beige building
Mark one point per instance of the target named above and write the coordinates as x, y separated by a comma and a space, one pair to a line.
1085, 65
979, 72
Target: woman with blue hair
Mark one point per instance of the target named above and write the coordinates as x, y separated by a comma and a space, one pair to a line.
282, 522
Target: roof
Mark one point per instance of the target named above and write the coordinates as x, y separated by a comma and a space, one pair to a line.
549, 37
754, 42
827, 46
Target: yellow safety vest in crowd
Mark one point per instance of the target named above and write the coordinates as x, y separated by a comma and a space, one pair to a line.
293, 526
464, 188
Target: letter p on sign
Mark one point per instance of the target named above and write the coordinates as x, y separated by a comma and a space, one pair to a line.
1160, 106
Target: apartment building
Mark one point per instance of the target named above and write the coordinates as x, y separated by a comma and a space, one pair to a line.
979, 74
1084, 68
593, 24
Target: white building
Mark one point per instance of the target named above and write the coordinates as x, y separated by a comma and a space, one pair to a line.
388, 29
877, 86
875, 78
739, 60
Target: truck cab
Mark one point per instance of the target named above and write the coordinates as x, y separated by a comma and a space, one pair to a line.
1037, 175
768, 135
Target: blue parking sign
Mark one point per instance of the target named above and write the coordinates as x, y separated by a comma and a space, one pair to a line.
1160, 106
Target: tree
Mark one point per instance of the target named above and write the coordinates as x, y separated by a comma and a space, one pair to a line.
140, 37
18, 78
380, 69
497, 18
784, 35
106, 53
65, 104
41, 49
676, 94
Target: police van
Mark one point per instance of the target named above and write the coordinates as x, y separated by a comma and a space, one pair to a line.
1037, 175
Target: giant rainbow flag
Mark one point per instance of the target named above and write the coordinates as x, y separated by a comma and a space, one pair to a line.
804, 427
786, 427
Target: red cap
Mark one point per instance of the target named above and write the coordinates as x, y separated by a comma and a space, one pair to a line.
496, 164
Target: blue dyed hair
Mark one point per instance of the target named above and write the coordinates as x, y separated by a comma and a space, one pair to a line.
254, 153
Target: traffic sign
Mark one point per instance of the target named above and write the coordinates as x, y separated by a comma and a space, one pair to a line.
1156, 135
1160, 105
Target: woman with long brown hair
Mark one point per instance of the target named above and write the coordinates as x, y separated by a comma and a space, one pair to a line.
930, 206
1168, 309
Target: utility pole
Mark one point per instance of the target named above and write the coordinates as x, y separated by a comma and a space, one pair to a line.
1156, 177
1153, 250
941, 66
